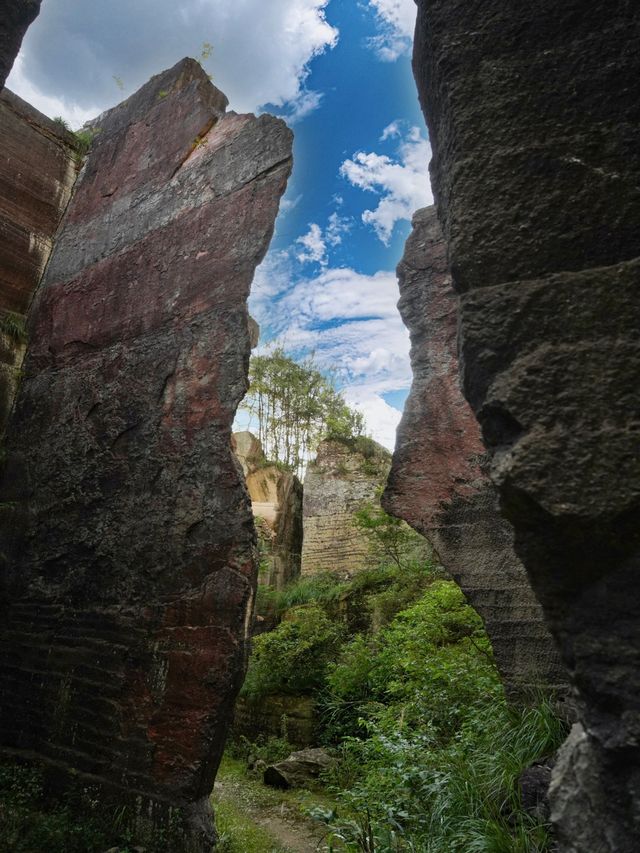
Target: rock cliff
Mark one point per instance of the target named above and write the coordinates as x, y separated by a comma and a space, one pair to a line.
533, 112
342, 479
17, 15
130, 559
276, 501
38, 168
438, 481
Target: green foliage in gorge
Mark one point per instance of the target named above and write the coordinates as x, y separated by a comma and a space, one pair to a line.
295, 407
293, 658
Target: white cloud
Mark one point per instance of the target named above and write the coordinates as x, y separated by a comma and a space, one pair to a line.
396, 22
391, 131
403, 183
336, 229
289, 204
382, 419
313, 246
302, 106
50, 105
261, 50
349, 321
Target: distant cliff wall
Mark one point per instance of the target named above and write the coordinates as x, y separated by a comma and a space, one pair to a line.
38, 168
129, 569
341, 480
276, 501
438, 481
534, 120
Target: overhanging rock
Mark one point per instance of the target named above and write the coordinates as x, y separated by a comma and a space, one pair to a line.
130, 557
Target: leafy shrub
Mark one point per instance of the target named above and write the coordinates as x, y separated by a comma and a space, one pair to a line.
293, 658
431, 663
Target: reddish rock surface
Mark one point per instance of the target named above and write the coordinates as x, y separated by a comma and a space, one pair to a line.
438, 480
534, 117
15, 18
130, 566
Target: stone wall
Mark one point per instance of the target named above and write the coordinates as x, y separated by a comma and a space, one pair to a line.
340, 481
438, 481
38, 168
129, 570
534, 117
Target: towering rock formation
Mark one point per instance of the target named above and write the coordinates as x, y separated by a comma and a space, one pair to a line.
342, 479
276, 502
38, 167
534, 116
129, 565
15, 18
438, 481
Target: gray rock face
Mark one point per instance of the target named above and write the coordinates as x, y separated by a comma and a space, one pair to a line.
340, 481
130, 573
439, 481
15, 18
534, 115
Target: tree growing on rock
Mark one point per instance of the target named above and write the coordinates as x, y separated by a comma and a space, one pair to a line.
296, 406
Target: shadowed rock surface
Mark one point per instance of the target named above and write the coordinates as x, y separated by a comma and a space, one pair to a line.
438, 480
340, 481
38, 168
534, 116
130, 563
15, 19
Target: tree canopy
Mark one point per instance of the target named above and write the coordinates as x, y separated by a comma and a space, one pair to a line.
295, 407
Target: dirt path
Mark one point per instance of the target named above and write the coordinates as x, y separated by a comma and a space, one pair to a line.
275, 812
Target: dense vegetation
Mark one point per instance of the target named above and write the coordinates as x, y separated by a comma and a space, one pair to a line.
406, 687
295, 407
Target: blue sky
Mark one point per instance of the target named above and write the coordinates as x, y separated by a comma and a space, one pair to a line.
339, 72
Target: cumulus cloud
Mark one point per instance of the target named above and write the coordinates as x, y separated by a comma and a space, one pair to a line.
349, 321
401, 183
313, 246
396, 21
75, 52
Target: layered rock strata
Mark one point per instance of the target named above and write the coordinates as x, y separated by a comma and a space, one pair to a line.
38, 168
438, 480
343, 479
16, 17
276, 502
534, 116
130, 558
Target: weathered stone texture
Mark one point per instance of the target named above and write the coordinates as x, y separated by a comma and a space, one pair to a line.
38, 169
130, 570
340, 481
534, 112
438, 480
15, 18
276, 502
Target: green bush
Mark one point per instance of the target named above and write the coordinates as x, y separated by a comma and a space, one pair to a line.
293, 658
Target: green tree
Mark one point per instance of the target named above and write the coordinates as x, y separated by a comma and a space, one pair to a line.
296, 406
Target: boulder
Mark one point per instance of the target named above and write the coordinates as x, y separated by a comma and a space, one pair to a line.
300, 770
